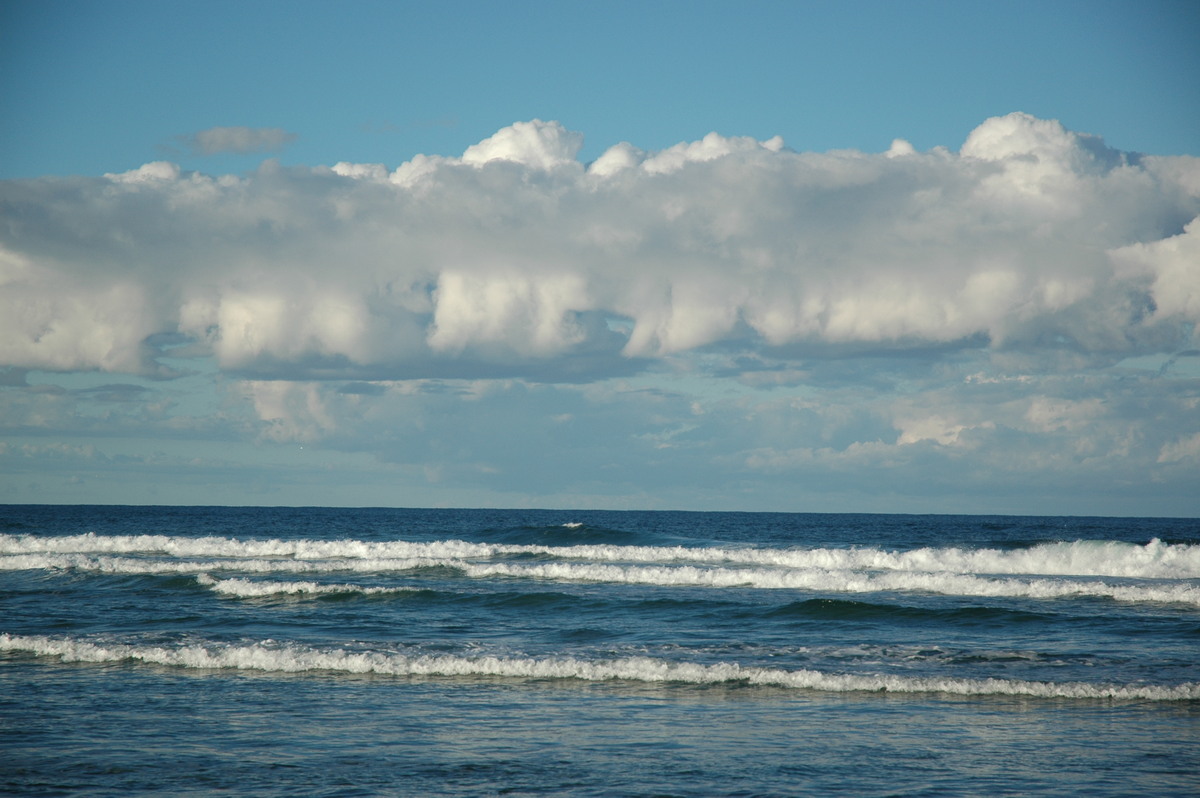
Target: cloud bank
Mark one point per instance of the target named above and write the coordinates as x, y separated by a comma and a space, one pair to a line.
727, 315
517, 258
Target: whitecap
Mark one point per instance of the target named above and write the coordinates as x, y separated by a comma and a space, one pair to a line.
289, 658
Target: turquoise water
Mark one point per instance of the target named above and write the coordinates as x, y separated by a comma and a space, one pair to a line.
449, 652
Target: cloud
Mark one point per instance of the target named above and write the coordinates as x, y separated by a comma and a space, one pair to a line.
1173, 267
216, 140
518, 260
1037, 437
1187, 448
536, 144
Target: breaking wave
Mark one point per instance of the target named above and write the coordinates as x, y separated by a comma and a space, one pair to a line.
247, 588
1153, 572
1152, 560
278, 658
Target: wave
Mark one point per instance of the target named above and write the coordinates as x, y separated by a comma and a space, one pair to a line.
809, 579
814, 609
246, 588
143, 565
285, 658
813, 579
1153, 560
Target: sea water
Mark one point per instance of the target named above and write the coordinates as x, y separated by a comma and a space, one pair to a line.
319, 651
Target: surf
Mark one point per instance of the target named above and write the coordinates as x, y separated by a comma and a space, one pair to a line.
289, 658
1152, 560
811, 579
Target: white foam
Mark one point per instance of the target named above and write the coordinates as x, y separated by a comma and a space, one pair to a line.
284, 658
776, 578
175, 546
142, 565
246, 588
840, 581
1153, 560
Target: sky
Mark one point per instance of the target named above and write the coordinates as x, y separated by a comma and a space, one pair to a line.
918, 257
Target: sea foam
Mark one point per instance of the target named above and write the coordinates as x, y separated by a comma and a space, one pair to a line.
1152, 560
778, 577
271, 658
247, 588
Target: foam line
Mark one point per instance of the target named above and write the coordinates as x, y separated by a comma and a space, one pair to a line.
809, 579
141, 565
1153, 560
175, 546
246, 588
297, 659
820, 580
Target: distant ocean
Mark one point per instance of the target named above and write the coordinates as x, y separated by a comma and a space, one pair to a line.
334, 652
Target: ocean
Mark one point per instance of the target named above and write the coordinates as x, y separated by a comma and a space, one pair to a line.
335, 652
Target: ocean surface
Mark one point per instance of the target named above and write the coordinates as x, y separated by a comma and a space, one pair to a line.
334, 652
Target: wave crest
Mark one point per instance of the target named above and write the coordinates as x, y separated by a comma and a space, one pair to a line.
266, 657
1152, 560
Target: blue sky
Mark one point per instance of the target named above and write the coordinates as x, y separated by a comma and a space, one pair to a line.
101, 87
910, 257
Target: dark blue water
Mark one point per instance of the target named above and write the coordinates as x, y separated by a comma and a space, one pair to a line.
465, 652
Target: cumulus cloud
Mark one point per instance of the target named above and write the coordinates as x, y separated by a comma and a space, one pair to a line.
1173, 267
516, 259
216, 140
536, 144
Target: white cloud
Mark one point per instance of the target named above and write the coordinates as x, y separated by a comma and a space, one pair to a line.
1173, 266
293, 412
1183, 449
514, 257
938, 429
517, 311
536, 144
147, 173
617, 158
